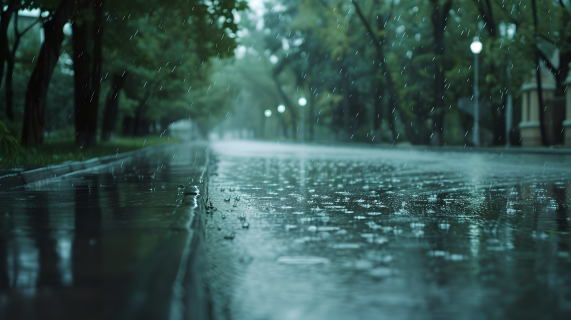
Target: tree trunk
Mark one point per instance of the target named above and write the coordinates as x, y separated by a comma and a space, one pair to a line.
112, 107
392, 124
82, 81
378, 43
140, 109
10, 72
538, 80
87, 72
346, 108
311, 114
288, 104
9, 83
283, 125
439, 23
10, 63
377, 117
36, 92
128, 125
5, 17
137, 121
96, 67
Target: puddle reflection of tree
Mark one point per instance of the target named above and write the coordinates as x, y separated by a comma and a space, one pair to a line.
38, 214
87, 246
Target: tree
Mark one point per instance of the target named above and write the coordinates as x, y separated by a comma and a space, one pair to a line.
87, 61
11, 61
8, 7
34, 112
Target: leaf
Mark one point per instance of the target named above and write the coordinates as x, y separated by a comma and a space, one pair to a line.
8, 144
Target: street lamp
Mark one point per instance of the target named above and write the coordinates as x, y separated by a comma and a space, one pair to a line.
476, 48
268, 113
281, 108
302, 102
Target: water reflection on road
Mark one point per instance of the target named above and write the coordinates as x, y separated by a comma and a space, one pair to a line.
315, 232
103, 244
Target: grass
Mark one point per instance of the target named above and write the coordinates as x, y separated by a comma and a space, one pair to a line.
59, 150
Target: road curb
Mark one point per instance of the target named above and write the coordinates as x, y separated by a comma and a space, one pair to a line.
191, 295
22, 178
407, 147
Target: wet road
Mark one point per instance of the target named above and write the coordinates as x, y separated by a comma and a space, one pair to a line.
315, 232
295, 232
111, 243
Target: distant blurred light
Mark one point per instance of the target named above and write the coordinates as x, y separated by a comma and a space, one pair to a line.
281, 108
268, 113
417, 37
237, 17
273, 59
67, 29
476, 46
302, 101
511, 30
285, 44
240, 52
415, 9
502, 26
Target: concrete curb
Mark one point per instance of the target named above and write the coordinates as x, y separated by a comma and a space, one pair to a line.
21, 178
494, 150
514, 150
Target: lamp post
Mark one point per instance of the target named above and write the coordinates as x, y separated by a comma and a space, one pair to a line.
302, 102
281, 110
476, 48
510, 31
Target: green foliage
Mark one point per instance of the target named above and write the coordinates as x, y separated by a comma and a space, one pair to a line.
59, 150
8, 144
320, 44
166, 50
177, 57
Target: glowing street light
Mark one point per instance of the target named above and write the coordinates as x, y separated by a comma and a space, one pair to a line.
281, 108
476, 48
302, 101
268, 113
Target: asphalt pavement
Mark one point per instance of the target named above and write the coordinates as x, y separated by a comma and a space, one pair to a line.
271, 230
340, 232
